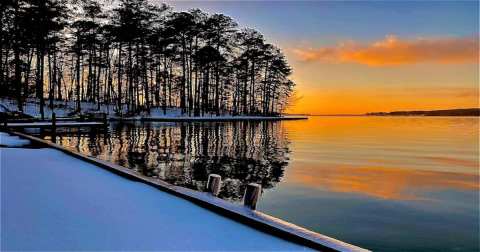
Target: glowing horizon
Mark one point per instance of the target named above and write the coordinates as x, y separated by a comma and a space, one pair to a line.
389, 74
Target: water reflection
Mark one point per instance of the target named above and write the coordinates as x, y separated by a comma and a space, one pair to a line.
186, 153
387, 183
384, 183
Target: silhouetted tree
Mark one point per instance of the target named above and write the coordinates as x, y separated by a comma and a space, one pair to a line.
138, 55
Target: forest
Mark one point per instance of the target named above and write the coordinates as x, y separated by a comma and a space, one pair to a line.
137, 55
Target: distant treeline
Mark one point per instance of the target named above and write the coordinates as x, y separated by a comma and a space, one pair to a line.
446, 112
136, 54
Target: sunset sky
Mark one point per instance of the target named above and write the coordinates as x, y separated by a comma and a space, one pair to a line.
357, 57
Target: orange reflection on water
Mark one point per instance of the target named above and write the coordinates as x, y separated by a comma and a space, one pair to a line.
381, 182
455, 162
398, 158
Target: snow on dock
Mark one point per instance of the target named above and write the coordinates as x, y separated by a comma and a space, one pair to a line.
12, 141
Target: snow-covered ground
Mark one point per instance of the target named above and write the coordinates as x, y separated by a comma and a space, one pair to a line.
51, 201
12, 141
63, 109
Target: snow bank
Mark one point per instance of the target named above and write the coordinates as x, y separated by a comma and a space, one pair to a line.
12, 141
62, 109
31, 108
51, 201
220, 118
3, 109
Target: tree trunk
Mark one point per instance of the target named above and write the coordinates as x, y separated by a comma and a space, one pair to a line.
78, 82
119, 75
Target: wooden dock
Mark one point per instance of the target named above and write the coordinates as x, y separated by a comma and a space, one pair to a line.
51, 125
56, 123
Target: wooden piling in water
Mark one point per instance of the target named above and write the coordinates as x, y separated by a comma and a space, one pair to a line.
214, 183
105, 121
252, 194
54, 127
54, 120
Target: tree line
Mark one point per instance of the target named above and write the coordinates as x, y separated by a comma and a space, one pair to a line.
137, 55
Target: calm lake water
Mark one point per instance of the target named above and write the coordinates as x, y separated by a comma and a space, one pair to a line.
382, 183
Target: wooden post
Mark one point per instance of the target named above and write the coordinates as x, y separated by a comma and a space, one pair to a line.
54, 127
214, 183
105, 123
54, 120
252, 194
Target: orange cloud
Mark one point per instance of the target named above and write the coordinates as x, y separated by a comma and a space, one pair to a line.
395, 51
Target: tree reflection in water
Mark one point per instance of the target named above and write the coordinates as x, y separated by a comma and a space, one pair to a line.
186, 153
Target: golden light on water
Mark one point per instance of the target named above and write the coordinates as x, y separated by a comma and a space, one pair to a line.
381, 182
389, 158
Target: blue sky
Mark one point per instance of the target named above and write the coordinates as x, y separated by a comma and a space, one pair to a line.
323, 22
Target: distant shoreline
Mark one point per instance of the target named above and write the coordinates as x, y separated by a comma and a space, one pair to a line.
445, 112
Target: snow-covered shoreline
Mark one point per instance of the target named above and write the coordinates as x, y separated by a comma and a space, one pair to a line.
63, 109
212, 118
